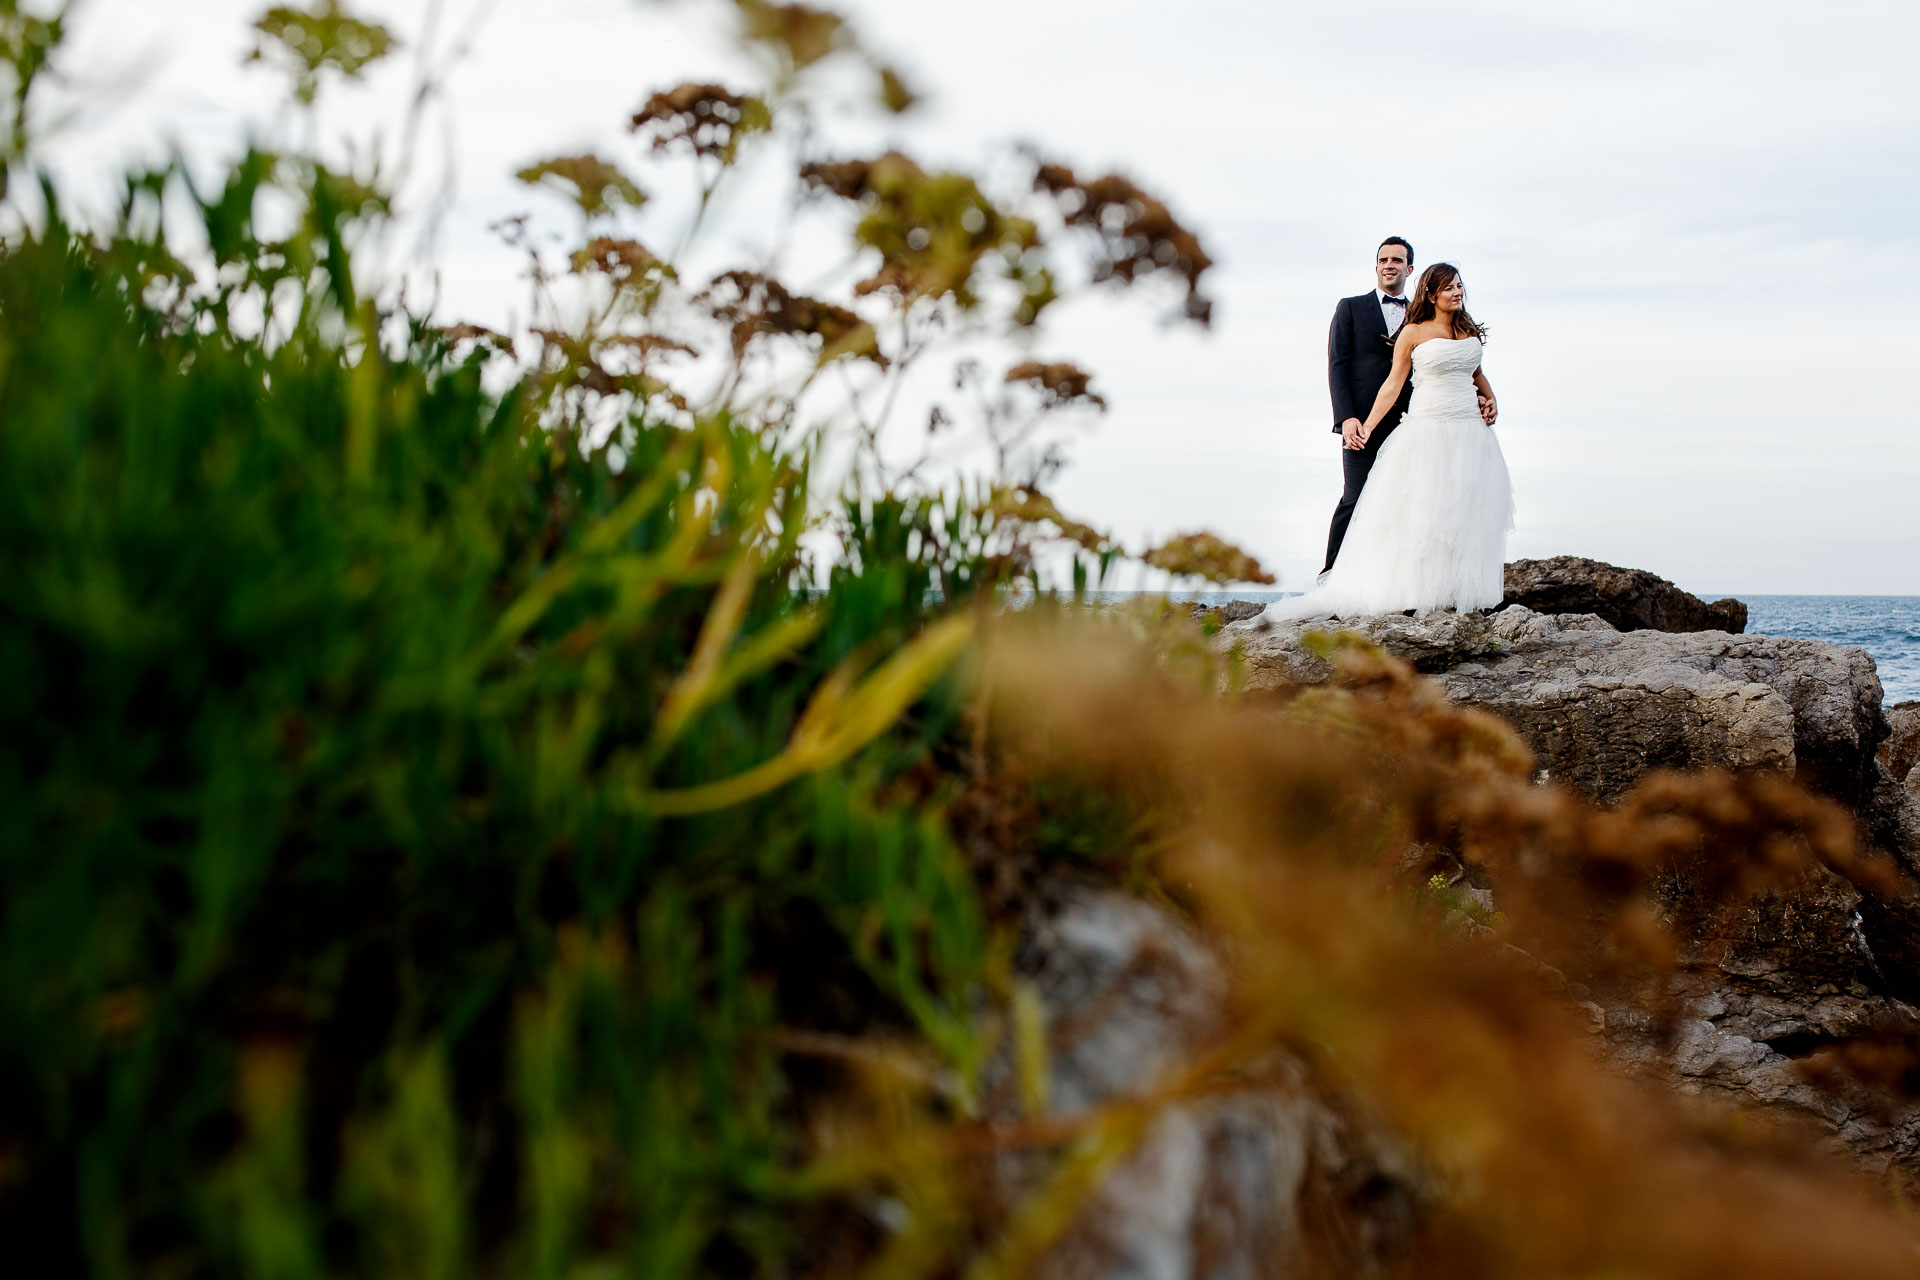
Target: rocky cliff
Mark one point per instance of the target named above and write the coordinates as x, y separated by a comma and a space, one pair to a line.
1828, 965
1275, 1176
1603, 707
1901, 751
1628, 599
1773, 1001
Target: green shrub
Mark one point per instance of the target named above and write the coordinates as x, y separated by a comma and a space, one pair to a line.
425, 804
335, 891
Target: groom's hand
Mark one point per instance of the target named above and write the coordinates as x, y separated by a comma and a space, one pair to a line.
1488, 410
1350, 435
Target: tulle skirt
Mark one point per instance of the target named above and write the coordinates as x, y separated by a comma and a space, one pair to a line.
1430, 529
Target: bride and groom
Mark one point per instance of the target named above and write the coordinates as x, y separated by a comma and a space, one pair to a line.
1423, 521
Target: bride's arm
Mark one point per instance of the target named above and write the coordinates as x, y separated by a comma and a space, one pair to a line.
1390, 389
1491, 409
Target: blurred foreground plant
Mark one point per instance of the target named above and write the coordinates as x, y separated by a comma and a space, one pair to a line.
426, 782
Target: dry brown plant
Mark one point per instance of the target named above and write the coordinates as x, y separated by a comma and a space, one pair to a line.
1029, 506
322, 38
707, 119
1137, 234
932, 230
578, 365
1295, 832
1060, 384
483, 339
597, 186
757, 306
941, 263
618, 260
802, 33
650, 344
1207, 556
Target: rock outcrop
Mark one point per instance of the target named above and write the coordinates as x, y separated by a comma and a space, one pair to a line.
1794, 976
1800, 972
1601, 708
1219, 1185
1231, 611
1273, 1177
1628, 599
1901, 751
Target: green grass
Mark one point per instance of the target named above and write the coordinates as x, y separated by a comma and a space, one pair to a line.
362, 914
420, 829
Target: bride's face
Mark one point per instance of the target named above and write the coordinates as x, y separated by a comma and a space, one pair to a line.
1453, 297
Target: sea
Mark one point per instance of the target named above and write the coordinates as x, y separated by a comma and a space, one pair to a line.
1887, 627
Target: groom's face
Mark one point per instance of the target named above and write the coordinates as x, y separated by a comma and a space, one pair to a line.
1390, 267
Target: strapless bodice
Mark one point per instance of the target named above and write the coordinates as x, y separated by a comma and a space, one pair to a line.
1443, 378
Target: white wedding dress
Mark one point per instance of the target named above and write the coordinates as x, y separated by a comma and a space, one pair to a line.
1430, 529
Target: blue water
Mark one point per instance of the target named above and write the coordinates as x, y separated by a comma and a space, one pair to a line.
1888, 627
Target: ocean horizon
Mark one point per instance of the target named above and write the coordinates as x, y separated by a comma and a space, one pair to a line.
1886, 627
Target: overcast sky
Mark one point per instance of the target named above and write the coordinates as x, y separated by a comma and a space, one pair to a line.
1691, 229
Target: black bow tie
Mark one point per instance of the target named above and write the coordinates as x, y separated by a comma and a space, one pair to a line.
1398, 302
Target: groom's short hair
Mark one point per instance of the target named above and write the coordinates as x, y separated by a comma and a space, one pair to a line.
1402, 243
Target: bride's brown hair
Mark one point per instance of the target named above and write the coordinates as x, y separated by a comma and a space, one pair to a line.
1432, 281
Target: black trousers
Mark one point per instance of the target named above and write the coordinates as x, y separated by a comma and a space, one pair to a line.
1354, 466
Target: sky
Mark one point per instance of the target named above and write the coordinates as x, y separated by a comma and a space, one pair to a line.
1690, 229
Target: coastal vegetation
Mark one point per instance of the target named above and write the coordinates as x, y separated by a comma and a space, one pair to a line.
575, 802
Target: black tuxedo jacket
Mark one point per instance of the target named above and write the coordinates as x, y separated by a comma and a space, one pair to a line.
1359, 358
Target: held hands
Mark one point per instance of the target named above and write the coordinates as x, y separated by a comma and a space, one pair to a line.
1354, 433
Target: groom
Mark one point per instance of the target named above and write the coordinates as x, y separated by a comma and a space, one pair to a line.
1359, 357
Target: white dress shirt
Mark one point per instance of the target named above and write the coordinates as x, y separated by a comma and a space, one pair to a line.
1394, 314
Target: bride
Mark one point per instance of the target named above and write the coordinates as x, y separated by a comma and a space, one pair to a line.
1430, 529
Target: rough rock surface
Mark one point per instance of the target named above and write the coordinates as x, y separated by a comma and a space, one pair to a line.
1602, 707
1629, 599
1800, 972
1231, 611
1795, 976
1901, 751
1218, 1186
